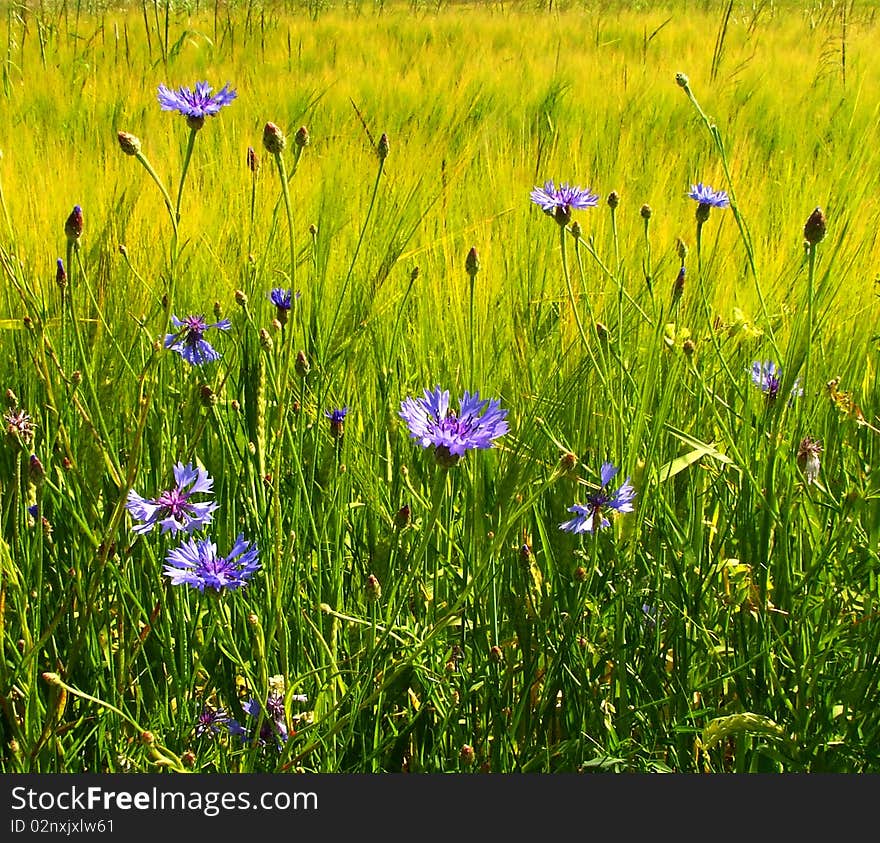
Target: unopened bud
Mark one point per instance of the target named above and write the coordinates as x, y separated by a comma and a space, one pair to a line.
576, 230
613, 199
301, 138
266, 340
681, 249
681, 80
36, 472
60, 274
373, 588
129, 144
241, 298
467, 755
815, 227
568, 462
402, 516
472, 262
207, 396
646, 212
313, 229
688, 347
414, 274
189, 759
218, 309
73, 225
301, 365
382, 147
253, 160
580, 574
273, 139
496, 654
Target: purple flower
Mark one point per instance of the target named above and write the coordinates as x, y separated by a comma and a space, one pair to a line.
211, 720
433, 423
196, 563
174, 509
274, 725
767, 376
281, 298
599, 503
19, 426
337, 421
189, 341
705, 195
707, 198
197, 104
559, 202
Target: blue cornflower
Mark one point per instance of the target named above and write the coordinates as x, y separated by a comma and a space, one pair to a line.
196, 563
211, 720
274, 724
599, 502
174, 509
189, 341
558, 202
767, 376
433, 423
337, 421
197, 104
707, 198
283, 300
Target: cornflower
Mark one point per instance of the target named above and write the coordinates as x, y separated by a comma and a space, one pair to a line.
174, 509
599, 503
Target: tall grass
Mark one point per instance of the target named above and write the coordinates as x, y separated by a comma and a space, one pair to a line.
438, 619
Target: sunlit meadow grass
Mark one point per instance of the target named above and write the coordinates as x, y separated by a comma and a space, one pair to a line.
413, 610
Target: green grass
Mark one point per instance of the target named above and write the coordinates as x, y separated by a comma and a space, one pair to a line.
491, 628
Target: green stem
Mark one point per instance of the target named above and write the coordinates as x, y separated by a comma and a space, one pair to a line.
186, 159
285, 192
574, 308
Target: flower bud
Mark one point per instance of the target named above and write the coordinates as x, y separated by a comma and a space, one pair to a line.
128, 143
207, 396
301, 138
402, 516
613, 199
301, 364
266, 341
36, 472
373, 588
815, 227
645, 211
382, 148
273, 139
467, 755
241, 298
681, 80
472, 262
60, 275
73, 225
253, 160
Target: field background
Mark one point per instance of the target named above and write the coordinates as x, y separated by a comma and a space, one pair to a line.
759, 646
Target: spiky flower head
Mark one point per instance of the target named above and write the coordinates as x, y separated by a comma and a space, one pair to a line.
433, 423
815, 227
706, 199
210, 721
196, 563
19, 427
767, 376
196, 104
274, 723
558, 202
73, 225
593, 515
128, 143
808, 457
273, 139
189, 341
175, 510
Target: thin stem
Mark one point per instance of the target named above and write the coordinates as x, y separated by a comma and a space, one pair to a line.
186, 159
574, 309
